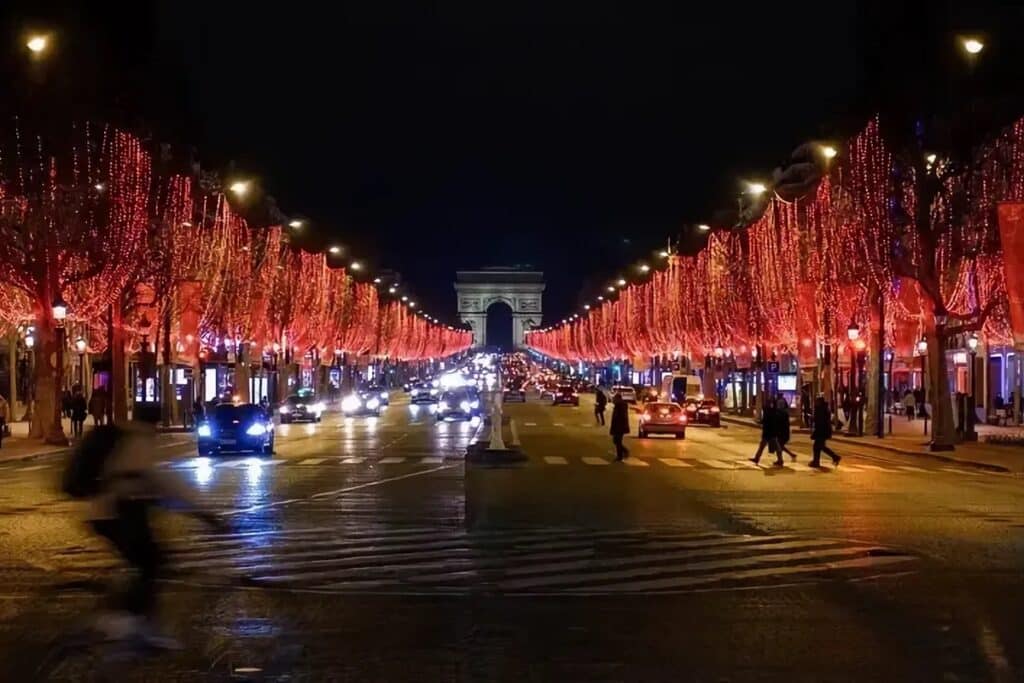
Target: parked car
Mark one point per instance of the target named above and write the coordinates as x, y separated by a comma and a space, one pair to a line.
233, 428
663, 418
566, 394
301, 408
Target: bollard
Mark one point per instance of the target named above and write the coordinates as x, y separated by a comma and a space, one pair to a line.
497, 443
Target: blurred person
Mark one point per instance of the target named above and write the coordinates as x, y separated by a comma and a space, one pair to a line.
620, 425
821, 432
782, 429
600, 403
98, 405
769, 433
78, 412
909, 402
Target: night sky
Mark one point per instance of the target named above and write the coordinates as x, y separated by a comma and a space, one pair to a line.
575, 137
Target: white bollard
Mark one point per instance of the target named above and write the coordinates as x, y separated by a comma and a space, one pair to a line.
497, 443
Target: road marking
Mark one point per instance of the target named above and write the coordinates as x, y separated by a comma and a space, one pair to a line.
591, 460
746, 463
957, 470
718, 464
910, 468
555, 460
559, 424
431, 461
32, 468
875, 468
391, 460
675, 462
352, 461
312, 461
530, 424
635, 462
801, 467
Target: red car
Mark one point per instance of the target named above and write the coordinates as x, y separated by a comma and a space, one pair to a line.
663, 418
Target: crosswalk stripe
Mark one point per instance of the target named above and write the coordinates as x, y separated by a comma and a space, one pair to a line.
675, 462
591, 460
958, 470
910, 468
391, 460
874, 468
530, 424
431, 461
800, 467
32, 468
558, 424
312, 461
352, 461
717, 464
746, 463
555, 460
635, 462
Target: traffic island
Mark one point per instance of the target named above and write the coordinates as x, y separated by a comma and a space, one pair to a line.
483, 449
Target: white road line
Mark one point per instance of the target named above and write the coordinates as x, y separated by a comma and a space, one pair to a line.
910, 468
32, 468
847, 468
530, 424
591, 460
718, 464
957, 470
558, 424
747, 464
799, 467
431, 461
555, 460
675, 462
635, 462
391, 460
875, 468
312, 461
352, 461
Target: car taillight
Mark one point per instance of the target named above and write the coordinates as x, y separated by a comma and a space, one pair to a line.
682, 418
714, 409
645, 416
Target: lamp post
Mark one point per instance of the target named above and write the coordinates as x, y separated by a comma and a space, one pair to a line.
853, 334
60, 312
80, 347
922, 351
30, 386
969, 433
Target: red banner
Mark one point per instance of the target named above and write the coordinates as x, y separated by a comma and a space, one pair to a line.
1011, 233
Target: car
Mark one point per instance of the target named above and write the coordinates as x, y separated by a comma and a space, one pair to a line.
514, 391
458, 404
649, 394
381, 392
628, 393
363, 402
301, 407
566, 393
663, 418
704, 411
424, 392
235, 428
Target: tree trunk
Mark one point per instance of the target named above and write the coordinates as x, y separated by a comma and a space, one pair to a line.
874, 378
242, 374
943, 430
118, 389
46, 416
168, 402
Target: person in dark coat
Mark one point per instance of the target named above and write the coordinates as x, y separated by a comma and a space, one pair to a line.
65, 403
79, 410
769, 433
821, 432
600, 401
619, 426
783, 432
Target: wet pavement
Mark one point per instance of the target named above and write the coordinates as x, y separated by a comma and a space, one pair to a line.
368, 550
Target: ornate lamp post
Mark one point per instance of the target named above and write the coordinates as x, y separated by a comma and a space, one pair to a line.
922, 351
80, 346
30, 386
969, 433
853, 390
60, 312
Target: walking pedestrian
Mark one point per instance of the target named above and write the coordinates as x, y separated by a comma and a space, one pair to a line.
620, 425
769, 433
98, 405
600, 402
805, 405
115, 472
5, 417
78, 412
908, 405
821, 432
782, 430
65, 403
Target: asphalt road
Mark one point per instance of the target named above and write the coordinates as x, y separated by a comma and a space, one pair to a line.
368, 550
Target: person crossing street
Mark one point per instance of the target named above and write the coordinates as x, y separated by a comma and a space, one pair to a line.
600, 402
821, 432
620, 426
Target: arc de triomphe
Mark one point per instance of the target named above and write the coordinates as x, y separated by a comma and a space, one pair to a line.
478, 290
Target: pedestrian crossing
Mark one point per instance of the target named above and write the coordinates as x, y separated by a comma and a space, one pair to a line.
422, 560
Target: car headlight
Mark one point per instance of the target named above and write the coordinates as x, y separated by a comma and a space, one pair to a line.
204, 430
373, 404
284, 410
319, 407
383, 394
415, 391
464, 406
256, 430
350, 403
475, 404
443, 405
433, 392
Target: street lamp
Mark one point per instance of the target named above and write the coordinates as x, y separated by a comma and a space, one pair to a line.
80, 345
704, 227
972, 46
356, 265
295, 224
829, 152
972, 347
622, 282
853, 390
239, 188
644, 268
60, 312
757, 189
610, 288
60, 309
335, 249
37, 44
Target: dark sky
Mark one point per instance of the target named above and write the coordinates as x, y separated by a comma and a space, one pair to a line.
572, 136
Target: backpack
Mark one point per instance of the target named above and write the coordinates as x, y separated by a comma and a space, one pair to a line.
84, 471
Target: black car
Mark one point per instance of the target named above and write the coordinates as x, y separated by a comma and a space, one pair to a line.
382, 394
363, 402
515, 390
567, 394
229, 427
301, 408
703, 411
458, 404
424, 392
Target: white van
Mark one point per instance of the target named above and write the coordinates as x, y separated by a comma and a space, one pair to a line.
677, 388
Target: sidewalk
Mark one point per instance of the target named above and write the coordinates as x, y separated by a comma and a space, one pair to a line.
18, 446
909, 439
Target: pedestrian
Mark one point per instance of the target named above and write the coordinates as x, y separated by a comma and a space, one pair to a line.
121, 486
65, 403
78, 412
805, 405
769, 433
5, 417
600, 403
782, 431
919, 397
620, 425
98, 405
908, 405
821, 432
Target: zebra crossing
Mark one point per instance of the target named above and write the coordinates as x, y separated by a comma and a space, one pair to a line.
448, 559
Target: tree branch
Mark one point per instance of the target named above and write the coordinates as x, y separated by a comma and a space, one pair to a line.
978, 323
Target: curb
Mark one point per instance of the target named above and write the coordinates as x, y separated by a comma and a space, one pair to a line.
32, 456
894, 449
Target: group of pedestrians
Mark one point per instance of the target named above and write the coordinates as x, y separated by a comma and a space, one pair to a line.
775, 431
75, 407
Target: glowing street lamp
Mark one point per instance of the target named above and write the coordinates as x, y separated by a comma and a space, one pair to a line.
239, 188
356, 265
622, 282
376, 280
644, 268
972, 343
853, 331
405, 298
30, 341
757, 189
391, 290
37, 44
704, 227
295, 224
586, 307
80, 345
972, 46
663, 254
829, 152
335, 249
60, 309
610, 288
